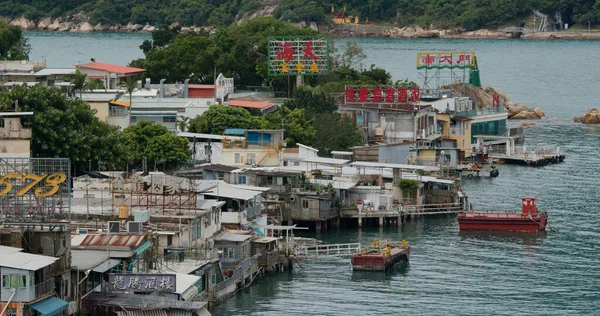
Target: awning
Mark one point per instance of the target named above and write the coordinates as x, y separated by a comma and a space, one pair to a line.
106, 265
143, 248
119, 102
50, 306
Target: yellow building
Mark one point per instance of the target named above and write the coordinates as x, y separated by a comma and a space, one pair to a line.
458, 129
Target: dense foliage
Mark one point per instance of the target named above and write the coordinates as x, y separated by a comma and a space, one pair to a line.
470, 14
13, 46
63, 127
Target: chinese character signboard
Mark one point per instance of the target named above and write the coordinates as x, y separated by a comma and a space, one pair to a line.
298, 55
450, 60
141, 282
353, 94
35, 185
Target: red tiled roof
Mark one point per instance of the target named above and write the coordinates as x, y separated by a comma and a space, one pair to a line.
251, 104
201, 86
111, 68
291, 150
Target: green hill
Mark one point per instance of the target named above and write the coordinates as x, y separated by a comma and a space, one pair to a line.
468, 14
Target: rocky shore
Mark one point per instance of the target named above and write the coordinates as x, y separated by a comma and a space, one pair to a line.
590, 117
80, 22
516, 111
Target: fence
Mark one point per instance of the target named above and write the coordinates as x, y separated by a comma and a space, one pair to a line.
45, 287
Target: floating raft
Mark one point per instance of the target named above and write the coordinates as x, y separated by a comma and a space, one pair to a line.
381, 256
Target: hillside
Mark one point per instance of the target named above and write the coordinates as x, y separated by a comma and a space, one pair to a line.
465, 14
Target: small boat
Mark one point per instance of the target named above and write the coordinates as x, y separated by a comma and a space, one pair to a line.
381, 256
529, 219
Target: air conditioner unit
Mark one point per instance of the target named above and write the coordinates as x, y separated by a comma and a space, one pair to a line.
114, 227
134, 227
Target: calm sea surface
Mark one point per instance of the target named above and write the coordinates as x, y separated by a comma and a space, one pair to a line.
553, 274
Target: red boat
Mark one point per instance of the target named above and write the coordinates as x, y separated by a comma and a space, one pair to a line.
381, 256
530, 219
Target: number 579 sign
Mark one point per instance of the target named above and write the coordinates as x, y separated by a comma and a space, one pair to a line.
41, 185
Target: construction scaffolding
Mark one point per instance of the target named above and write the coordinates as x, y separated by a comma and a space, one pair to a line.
446, 73
158, 193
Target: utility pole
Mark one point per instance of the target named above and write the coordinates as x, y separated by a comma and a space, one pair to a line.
87, 200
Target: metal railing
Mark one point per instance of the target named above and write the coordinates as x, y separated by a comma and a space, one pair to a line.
45, 287
430, 130
253, 211
179, 256
457, 131
332, 250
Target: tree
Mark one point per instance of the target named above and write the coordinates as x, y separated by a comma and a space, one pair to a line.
183, 122
130, 85
220, 117
78, 81
155, 143
68, 128
13, 46
409, 187
313, 101
297, 127
335, 132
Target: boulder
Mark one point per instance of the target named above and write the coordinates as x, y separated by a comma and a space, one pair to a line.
65, 26
185, 30
23, 23
54, 26
86, 28
539, 112
515, 108
590, 117
525, 124
44, 23
151, 28
174, 24
526, 115
100, 28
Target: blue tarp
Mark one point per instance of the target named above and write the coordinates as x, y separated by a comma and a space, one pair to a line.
50, 306
143, 248
235, 131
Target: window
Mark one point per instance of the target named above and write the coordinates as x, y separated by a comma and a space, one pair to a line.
169, 119
11, 312
1, 123
216, 217
296, 163
237, 158
13, 281
269, 181
89, 195
220, 175
117, 111
242, 180
213, 279
304, 203
169, 240
208, 220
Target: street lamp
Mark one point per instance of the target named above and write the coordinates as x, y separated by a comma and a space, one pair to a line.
442, 158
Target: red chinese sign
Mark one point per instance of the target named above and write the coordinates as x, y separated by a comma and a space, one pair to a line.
381, 95
495, 100
433, 60
298, 55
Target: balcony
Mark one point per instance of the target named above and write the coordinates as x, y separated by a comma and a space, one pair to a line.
431, 132
484, 111
44, 288
456, 131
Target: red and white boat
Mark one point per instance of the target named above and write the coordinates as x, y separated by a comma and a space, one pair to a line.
529, 219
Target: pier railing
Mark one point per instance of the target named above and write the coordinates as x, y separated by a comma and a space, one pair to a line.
399, 210
332, 250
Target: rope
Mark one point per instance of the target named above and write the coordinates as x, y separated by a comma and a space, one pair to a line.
551, 228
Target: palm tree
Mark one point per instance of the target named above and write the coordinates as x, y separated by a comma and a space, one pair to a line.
78, 80
130, 85
183, 122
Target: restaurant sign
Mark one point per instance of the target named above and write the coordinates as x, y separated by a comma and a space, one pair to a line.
298, 55
359, 94
141, 282
445, 60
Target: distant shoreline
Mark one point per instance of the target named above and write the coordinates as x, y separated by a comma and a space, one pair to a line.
337, 30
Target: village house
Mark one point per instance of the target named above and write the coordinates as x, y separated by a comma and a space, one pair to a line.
15, 134
111, 75
259, 148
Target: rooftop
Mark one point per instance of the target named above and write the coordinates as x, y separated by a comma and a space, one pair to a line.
118, 69
327, 161
252, 104
227, 236
55, 71
26, 261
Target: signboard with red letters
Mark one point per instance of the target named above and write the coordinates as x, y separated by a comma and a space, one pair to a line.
360, 94
298, 55
450, 60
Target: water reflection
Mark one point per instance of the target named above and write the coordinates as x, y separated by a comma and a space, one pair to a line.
525, 238
374, 276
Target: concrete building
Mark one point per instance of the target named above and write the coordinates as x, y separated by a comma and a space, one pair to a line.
112, 75
28, 283
260, 148
15, 134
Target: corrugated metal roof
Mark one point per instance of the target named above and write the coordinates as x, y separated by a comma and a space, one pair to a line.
55, 71
6, 250
26, 261
264, 240
184, 282
153, 312
324, 160
117, 240
227, 236
228, 191
87, 259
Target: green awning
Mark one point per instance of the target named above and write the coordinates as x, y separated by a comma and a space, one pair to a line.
50, 306
143, 248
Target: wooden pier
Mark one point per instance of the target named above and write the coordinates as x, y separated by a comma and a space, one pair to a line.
396, 214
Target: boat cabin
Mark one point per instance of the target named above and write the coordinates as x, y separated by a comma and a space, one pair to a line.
528, 206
